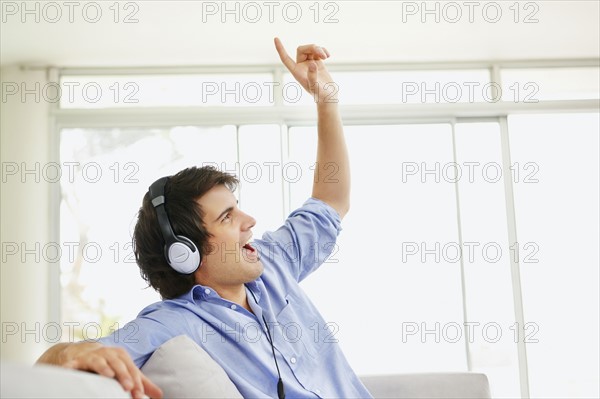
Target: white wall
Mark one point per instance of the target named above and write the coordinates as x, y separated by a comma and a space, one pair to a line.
184, 33
25, 214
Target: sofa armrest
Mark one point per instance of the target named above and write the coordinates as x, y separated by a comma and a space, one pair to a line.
429, 385
44, 381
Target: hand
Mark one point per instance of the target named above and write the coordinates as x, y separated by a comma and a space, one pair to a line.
113, 363
309, 70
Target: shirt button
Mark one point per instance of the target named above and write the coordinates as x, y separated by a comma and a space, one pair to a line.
293, 360
234, 307
318, 391
207, 291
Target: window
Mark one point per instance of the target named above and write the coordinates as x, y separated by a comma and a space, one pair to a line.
386, 284
405, 87
422, 278
536, 84
486, 255
112, 170
116, 91
559, 262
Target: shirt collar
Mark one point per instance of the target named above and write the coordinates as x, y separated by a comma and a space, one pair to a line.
254, 288
202, 293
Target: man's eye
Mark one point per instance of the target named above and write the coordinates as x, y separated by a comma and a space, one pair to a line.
226, 217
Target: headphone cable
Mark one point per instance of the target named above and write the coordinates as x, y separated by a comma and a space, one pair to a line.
280, 387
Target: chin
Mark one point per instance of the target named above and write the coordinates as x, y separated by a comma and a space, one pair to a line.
257, 268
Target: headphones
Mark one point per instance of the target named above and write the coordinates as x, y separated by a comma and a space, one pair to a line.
180, 252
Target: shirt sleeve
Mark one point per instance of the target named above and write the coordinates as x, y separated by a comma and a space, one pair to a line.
307, 237
142, 336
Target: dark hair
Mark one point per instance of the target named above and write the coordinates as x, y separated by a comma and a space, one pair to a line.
186, 217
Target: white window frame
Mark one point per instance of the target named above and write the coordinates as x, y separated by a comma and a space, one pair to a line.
289, 116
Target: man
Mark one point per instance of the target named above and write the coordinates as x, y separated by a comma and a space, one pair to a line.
225, 286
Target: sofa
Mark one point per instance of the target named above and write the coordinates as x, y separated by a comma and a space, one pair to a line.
180, 360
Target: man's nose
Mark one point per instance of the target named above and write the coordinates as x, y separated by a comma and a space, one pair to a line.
249, 222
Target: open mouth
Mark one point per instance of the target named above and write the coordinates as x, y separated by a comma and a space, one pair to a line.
249, 247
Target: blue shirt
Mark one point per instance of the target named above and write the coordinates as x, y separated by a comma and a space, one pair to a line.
310, 360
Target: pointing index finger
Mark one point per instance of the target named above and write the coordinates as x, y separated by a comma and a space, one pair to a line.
283, 55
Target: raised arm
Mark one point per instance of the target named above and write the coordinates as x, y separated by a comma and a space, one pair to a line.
332, 174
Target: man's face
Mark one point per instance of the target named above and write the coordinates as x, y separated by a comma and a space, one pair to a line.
230, 262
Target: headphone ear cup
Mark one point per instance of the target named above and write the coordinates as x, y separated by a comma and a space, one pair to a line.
183, 255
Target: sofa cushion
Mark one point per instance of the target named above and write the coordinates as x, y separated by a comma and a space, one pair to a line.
44, 381
429, 385
182, 369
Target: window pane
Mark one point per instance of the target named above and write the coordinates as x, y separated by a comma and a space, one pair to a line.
486, 255
166, 90
260, 172
106, 172
391, 290
557, 210
303, 153
404, 87
537, 84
